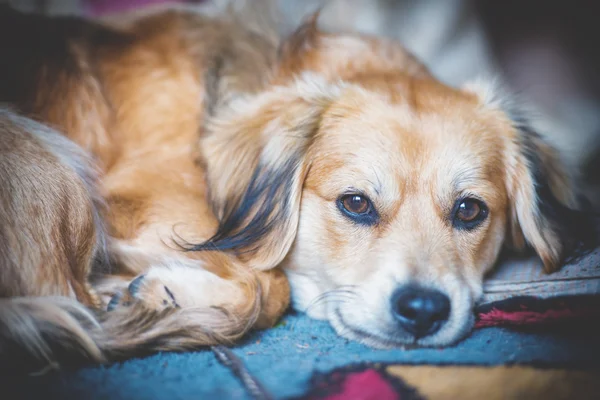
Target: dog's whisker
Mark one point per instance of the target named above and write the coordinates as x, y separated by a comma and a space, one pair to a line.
339, 295
332, 298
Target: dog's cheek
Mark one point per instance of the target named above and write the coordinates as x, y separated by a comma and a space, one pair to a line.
322, 235
476, 254
486, 255
306, 265
307, 255
327, 247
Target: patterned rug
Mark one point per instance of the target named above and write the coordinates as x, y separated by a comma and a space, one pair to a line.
390, 381
546, 349
405, 382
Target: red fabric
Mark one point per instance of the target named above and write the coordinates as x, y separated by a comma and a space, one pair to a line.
499, 317
367, 385
523, 311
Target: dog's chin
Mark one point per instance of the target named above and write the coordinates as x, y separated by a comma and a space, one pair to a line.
453, 332
371, 339
383, 339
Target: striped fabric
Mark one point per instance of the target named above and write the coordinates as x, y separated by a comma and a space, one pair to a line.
525, 277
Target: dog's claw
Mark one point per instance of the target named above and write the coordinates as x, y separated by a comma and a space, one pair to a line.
134, 285
140, 291
172, 296
114, 302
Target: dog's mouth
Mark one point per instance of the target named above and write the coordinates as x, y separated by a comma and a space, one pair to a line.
372, 339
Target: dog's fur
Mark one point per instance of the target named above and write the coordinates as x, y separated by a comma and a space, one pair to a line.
179, 170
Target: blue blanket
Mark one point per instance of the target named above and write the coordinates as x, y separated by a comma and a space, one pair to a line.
283, 359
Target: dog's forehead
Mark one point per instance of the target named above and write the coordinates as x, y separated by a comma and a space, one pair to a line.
424, 130
436, 142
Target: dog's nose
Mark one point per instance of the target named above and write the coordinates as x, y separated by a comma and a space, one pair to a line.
420, 311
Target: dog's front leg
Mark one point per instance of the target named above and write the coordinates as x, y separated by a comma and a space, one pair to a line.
257, 299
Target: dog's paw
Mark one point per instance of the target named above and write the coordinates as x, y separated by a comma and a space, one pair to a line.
176, 286
148, 290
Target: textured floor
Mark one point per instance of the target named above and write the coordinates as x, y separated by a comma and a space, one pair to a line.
284, 358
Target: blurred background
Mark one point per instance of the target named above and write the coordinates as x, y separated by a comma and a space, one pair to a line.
545, 51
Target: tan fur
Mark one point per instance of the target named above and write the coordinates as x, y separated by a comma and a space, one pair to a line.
380, 124
191, 119
46, 179
135, 100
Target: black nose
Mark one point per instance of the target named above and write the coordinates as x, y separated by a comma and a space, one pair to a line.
420, 311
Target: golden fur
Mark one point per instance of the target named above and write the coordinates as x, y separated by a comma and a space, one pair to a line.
197, 170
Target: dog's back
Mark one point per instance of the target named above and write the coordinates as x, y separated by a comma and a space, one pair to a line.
83, 100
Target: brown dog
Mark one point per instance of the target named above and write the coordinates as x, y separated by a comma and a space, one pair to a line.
335, 161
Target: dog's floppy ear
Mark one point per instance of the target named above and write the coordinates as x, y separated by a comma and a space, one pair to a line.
544, 209
541, 199
256, 155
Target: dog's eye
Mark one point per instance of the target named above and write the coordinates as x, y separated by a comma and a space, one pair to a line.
469, 213
468, 210
358, 208
356, 204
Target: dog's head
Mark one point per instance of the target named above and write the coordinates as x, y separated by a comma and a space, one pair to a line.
384, 194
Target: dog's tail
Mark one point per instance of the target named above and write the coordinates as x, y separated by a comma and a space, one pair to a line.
43, 333
33, 330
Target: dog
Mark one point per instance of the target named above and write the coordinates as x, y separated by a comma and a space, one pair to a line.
173, 180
